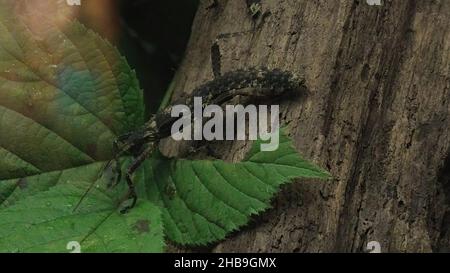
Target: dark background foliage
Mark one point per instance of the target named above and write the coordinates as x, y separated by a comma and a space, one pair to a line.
151, 34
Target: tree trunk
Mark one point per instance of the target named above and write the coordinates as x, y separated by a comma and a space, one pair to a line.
377, 117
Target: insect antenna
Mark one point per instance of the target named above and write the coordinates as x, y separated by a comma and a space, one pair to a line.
117, 153
84, 195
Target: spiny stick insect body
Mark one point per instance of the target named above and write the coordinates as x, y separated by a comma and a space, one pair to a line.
262, 82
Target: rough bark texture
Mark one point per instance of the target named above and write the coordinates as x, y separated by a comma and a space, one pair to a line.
377, 117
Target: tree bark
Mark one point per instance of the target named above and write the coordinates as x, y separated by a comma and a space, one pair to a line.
377, 116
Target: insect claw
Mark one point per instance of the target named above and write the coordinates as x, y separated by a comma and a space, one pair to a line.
126, 209
103, 170
130, 195
114, 181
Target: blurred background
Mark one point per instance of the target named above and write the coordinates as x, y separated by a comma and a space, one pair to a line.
151, 34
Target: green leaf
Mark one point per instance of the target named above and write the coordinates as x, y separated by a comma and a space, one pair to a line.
203, 201
65, 95
16, 189
47, 222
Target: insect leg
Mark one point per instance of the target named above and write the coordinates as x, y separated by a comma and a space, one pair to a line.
118, 152
117, 167
216, 59
131, 169
226, 96
216, 55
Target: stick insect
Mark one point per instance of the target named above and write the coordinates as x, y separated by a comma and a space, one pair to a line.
252, 82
